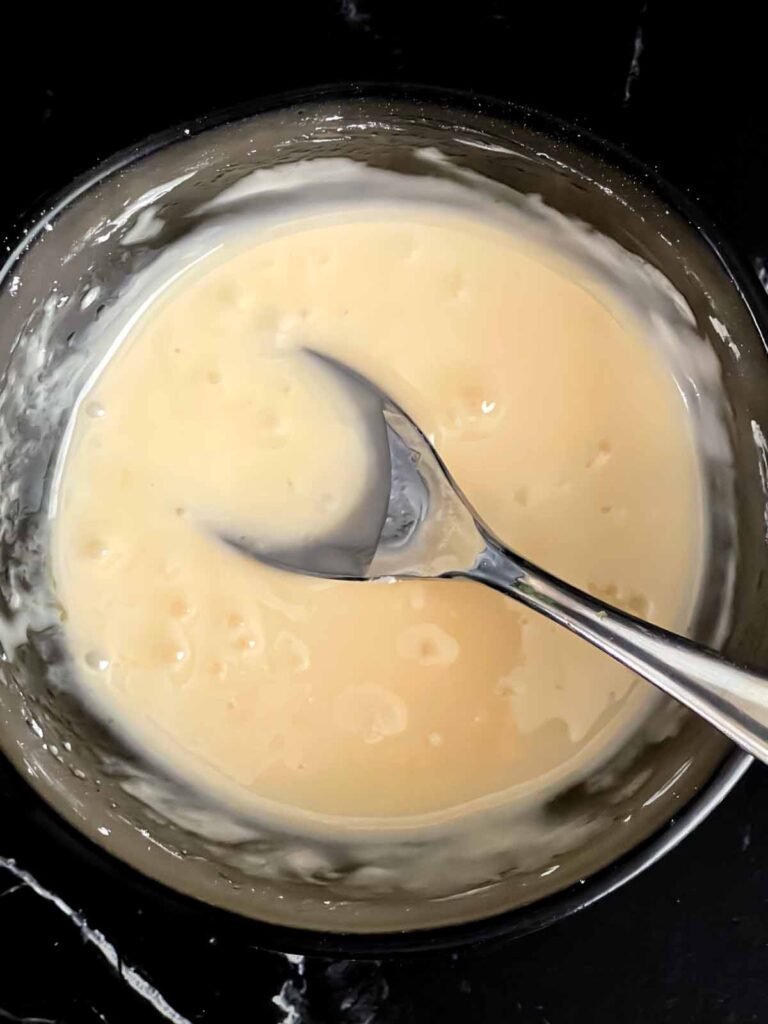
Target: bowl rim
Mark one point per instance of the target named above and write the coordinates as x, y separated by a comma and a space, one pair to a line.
521, 920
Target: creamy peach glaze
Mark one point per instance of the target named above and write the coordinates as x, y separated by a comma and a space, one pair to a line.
560, 421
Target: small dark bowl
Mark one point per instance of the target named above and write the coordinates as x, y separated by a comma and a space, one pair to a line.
80, 766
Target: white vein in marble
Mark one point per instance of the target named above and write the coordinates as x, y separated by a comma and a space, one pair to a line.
128, 974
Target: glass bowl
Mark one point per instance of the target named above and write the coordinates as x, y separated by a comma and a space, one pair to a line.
68, 271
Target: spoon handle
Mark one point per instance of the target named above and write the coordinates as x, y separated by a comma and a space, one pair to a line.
733, 699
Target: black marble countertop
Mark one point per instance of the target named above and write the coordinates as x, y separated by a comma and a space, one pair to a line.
677, 86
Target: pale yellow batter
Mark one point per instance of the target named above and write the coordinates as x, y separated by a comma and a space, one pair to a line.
562, 425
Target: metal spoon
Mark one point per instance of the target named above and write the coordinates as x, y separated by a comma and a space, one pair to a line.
417, 523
